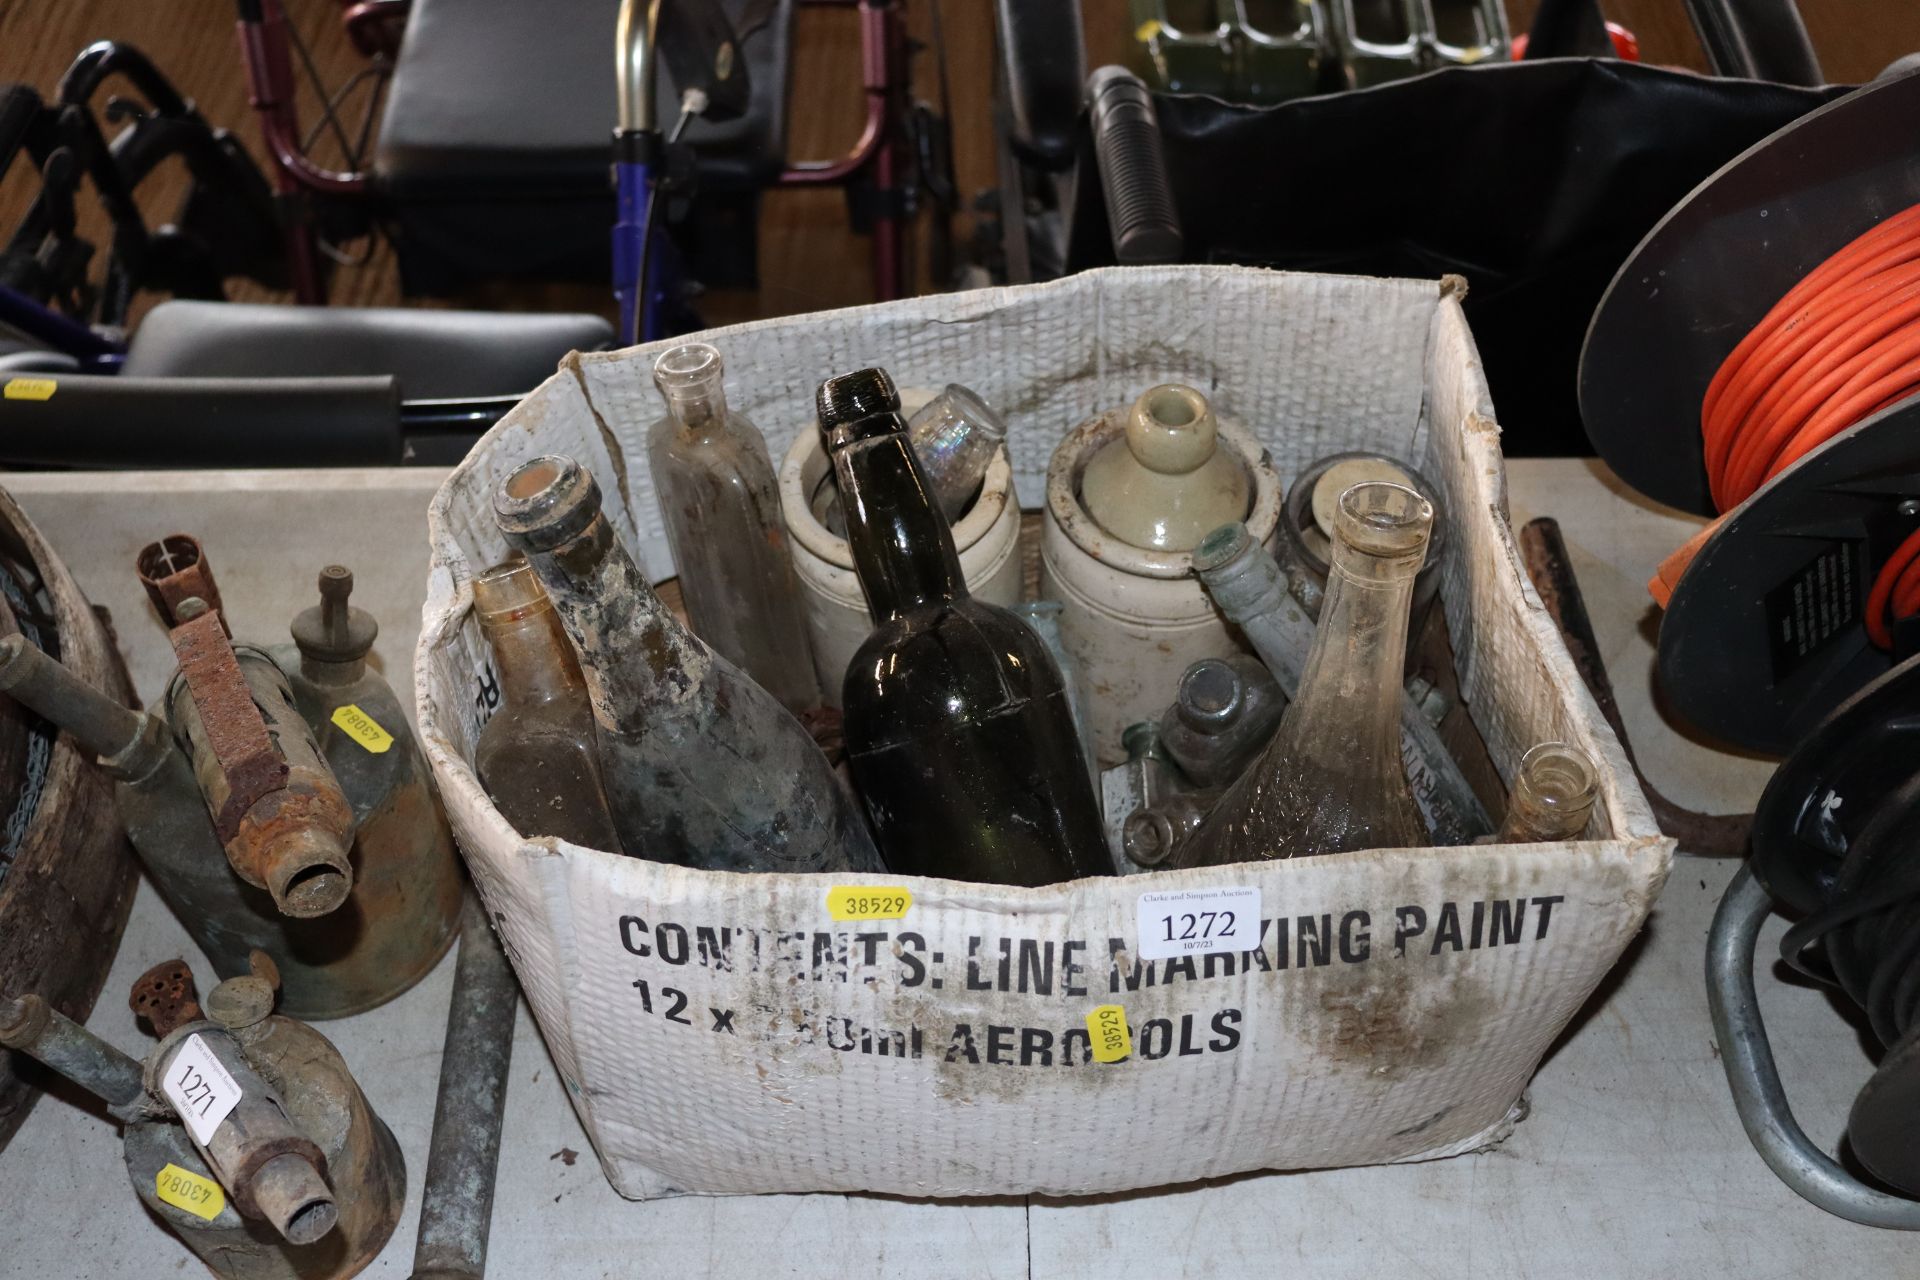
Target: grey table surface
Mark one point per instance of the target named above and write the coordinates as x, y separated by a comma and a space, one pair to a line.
1632, 1162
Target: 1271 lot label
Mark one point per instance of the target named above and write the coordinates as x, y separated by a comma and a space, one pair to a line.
200, 1088
1193, 922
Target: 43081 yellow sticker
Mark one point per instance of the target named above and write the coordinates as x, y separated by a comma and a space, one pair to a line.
868, 901
185, 1189
362, 728
1111, 1039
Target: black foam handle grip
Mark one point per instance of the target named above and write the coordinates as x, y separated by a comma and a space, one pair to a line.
88, 421
1133, 169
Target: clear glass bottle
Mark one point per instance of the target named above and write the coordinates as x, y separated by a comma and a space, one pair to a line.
721, 508
702, 766
536, 756
959, 734
955, 435
1552, 796
1250, 589
1332, 779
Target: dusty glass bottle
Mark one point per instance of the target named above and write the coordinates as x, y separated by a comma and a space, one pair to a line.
1552, 796
1332, 780
955, 435
536, 755
959, 733
1249, 588
721, 508
702, 766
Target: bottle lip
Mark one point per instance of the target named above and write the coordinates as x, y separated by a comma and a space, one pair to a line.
848, 397
509, 591
1222, 547
1211, 694
1560, 776
1382, 520
1171, 429
689, 367
546, 501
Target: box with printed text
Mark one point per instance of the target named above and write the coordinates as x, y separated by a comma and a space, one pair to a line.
723, 1033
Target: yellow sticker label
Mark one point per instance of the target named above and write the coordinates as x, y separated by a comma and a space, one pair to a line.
185, 1189
1108, 1027
868, 902
362, 728
29, 388
1147, 30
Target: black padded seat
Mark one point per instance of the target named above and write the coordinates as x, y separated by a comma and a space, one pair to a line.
435, 355
496, 139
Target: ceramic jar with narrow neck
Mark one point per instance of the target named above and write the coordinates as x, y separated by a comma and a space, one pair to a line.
987, 536
1135, 617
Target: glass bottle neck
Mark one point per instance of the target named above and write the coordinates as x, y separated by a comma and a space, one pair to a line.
902, 545
699, 406
1353, 671
533, 657
634, 655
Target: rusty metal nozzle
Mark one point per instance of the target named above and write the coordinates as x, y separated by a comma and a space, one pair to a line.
308, 871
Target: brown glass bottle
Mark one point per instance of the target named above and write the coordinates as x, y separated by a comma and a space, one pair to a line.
1552, 796
1332, 779
536, 757
959, 732
702, 766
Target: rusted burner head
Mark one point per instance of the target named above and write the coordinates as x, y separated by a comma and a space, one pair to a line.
166, 997
175, 569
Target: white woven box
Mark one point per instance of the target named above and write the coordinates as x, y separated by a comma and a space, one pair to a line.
724, 1033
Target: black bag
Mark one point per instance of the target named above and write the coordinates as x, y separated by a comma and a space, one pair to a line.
1534, 180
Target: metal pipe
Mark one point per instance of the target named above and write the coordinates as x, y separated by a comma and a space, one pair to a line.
1755, 1082
130, 744
31, 1026
457, 1207
636, 46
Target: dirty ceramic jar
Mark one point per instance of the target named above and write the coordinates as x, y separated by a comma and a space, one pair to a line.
1135, 619
987, 538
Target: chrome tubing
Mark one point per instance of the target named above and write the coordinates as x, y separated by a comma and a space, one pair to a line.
1755, 1082
636, 49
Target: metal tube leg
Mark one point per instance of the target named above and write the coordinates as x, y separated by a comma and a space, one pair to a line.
457, 1207
1755, 1083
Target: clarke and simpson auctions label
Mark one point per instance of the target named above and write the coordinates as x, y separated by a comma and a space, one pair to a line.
200, 1089
1195, 922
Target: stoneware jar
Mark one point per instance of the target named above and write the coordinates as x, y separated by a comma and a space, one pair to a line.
1136, 619
987, 538
1165, 483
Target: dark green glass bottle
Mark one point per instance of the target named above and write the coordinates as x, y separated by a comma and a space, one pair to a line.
959, 732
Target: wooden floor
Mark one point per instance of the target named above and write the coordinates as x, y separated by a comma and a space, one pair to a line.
194, 43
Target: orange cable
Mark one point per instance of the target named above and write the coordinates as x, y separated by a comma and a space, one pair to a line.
1842, 344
